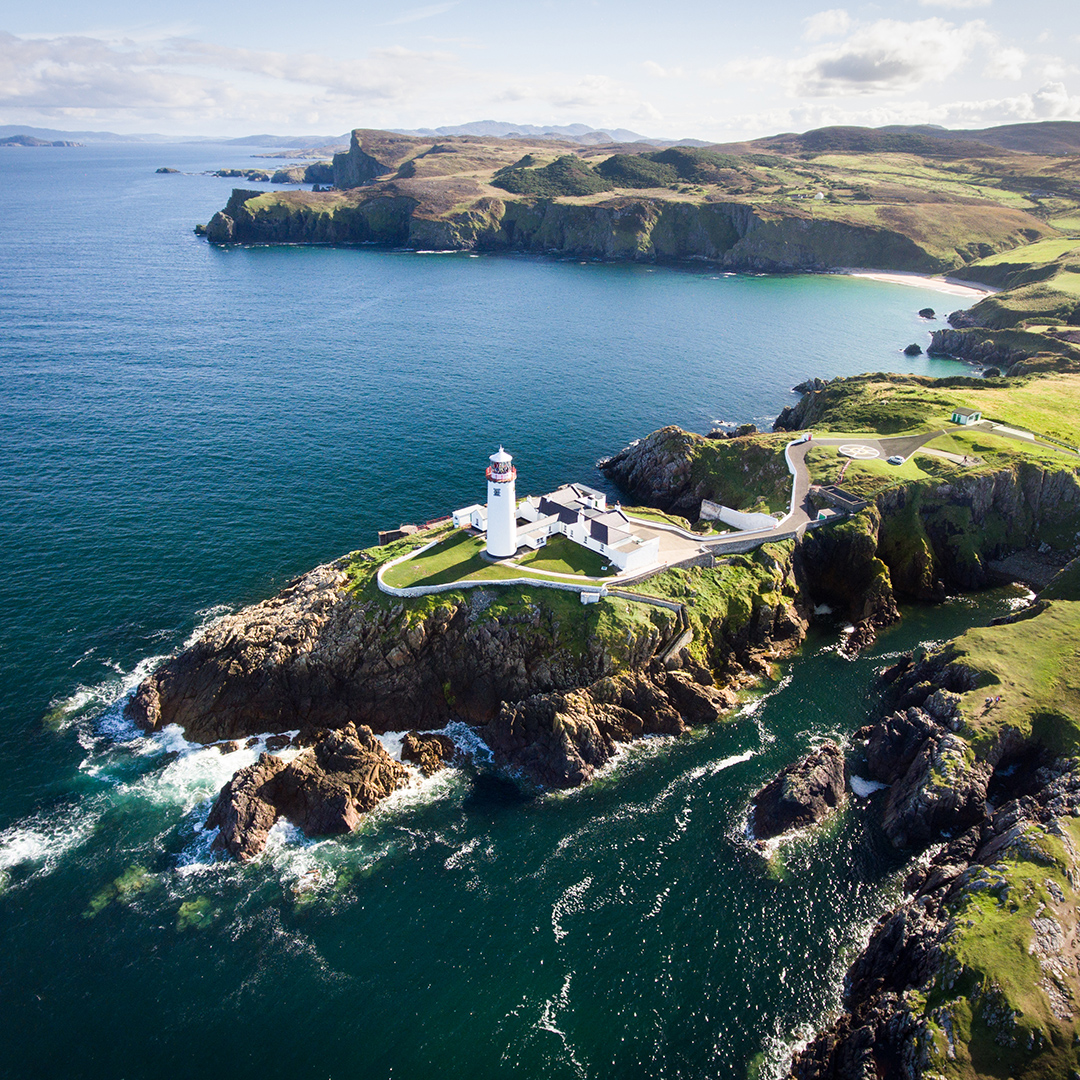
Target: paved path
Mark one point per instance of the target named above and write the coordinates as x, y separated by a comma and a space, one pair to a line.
1016, 433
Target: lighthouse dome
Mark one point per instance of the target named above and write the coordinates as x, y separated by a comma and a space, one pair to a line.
501, 458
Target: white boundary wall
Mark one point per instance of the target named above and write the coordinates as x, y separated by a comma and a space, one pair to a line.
747, 522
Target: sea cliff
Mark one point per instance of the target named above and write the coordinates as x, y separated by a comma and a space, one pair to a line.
975, 972
550, 685
734, 235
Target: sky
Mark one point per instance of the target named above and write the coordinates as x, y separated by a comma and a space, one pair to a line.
719, 71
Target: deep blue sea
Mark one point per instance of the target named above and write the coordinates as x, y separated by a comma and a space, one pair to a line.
182, 430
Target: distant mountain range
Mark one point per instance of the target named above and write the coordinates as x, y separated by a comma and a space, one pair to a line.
32, 140
1044, 137
51, 135
580, 133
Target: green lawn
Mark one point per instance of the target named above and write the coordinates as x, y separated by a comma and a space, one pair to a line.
562, 556
877, 405
1041, 251
458, 558
1047, 405
647, 513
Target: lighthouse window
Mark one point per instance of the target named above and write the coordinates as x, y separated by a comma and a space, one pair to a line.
497, 492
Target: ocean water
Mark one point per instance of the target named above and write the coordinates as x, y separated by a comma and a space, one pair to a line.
182, 430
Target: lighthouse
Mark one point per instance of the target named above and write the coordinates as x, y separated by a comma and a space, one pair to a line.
501, 506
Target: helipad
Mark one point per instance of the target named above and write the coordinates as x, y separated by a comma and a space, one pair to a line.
860, 451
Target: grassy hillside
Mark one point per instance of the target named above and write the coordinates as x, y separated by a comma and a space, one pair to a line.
887, 404
893, 200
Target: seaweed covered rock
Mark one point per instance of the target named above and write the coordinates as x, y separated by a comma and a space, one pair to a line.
801, 794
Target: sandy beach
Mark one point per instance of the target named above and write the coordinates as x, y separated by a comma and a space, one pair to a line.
940, 284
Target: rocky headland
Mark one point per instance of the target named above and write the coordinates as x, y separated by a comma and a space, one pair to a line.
975, 973
550, 685
746, 207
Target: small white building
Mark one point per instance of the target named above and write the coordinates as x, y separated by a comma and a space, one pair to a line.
474, 516
966, 416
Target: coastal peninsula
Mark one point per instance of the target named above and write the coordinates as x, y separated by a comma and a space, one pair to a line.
836, 197
914, 488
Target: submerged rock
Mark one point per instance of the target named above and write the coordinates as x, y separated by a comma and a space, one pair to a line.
802, 794
323, 791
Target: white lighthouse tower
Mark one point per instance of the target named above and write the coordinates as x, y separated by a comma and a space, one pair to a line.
501, 506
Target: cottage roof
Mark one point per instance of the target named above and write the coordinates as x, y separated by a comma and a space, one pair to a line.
551, 508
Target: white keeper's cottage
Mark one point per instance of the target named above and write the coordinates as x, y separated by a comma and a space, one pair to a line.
578, 512
966, 416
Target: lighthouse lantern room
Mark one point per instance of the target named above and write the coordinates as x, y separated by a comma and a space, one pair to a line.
501, 506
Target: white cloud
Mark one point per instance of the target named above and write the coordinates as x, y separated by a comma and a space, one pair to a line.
826, 24
193, 81
651, 67
1005, 64
890, 55
1051, 102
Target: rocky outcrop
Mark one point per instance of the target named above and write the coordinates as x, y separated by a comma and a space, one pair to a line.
429, 752
801, 794
843, 568
937, 991
323, 790
315, 657
984, 347
657, 469
372, 154
560, 740
255, 217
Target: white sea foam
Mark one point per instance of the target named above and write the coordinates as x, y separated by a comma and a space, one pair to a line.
467, 741
572, 902
42, 841
750, 708
865, 788
103, 695
462, 854
391, 742
549, 1021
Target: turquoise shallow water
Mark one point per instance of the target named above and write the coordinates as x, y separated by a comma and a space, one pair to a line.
184, 429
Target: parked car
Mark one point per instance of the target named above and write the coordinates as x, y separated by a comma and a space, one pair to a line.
896, 459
